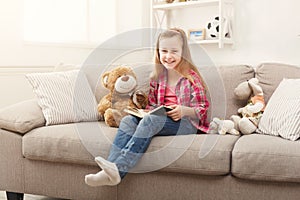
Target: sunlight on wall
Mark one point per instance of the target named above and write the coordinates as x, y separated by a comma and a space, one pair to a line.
69, 21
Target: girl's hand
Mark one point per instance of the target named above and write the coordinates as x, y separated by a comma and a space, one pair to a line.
176, 113
179, 111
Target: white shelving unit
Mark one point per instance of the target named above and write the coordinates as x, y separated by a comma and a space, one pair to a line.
225, 9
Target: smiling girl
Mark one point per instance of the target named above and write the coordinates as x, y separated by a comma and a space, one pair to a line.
175, 82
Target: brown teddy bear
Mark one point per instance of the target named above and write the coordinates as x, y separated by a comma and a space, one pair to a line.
121, 82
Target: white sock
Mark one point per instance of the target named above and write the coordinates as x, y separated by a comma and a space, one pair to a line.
98, 179
110, 169
108, 176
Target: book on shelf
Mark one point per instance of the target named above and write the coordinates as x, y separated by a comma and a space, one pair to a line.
161, 110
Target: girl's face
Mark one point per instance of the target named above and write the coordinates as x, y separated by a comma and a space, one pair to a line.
170, 51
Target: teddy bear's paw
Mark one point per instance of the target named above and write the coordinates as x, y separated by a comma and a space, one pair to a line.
236, 119
104, 104
118, 116
213, 128
222, 131
246, 126
111, 123
234, 132
140, 99
101, 111
257, 107
110, 118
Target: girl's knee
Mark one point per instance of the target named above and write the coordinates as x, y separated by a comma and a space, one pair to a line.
127, 118
153, 120
148, 119
128, 121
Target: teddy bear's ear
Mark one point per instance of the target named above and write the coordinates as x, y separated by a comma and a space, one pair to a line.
243, 91
105, 79
257, 90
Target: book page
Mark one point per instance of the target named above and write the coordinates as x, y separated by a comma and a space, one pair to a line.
136, 112
161, 110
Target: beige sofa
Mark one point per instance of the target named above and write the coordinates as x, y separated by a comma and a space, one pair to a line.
53, 160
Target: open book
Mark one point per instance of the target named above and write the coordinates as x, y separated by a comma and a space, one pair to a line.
161, 110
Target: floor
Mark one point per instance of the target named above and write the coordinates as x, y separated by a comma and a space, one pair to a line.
28, 197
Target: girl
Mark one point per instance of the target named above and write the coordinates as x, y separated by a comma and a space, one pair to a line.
175, 82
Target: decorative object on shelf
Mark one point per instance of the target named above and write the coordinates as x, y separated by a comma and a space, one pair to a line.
196, 34
214, 26
169, 1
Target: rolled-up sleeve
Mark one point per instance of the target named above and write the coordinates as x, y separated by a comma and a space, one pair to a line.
152, 96
198, 100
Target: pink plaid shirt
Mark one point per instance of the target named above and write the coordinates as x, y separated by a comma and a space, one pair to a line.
187, 93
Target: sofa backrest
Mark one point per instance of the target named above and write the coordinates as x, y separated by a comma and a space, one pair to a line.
271, 74
220, 81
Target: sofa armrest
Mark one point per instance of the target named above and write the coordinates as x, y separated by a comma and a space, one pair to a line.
22, 117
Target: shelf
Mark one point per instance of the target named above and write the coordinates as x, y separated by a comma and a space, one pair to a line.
178, 5
162, 12
214, 41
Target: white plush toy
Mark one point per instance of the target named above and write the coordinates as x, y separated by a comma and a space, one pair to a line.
247, 120
218, 126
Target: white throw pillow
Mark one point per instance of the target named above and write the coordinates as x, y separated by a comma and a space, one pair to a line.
64, 97
282, 114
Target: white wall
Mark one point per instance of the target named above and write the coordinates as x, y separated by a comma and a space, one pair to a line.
265, 31
18, 58
15, 53
13, 85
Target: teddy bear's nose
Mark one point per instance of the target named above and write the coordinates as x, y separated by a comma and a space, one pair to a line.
125, 78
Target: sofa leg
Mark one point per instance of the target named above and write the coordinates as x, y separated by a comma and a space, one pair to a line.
14, 196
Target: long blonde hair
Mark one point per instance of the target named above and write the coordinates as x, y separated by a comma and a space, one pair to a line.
186, 60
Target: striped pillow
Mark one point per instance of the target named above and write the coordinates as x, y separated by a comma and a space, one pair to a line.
282, 114
64, 97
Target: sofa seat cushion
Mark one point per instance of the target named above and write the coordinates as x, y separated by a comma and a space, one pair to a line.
268, 158
64, 143
57, 143
206, 154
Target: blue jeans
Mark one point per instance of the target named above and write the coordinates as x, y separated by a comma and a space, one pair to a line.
134, 136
